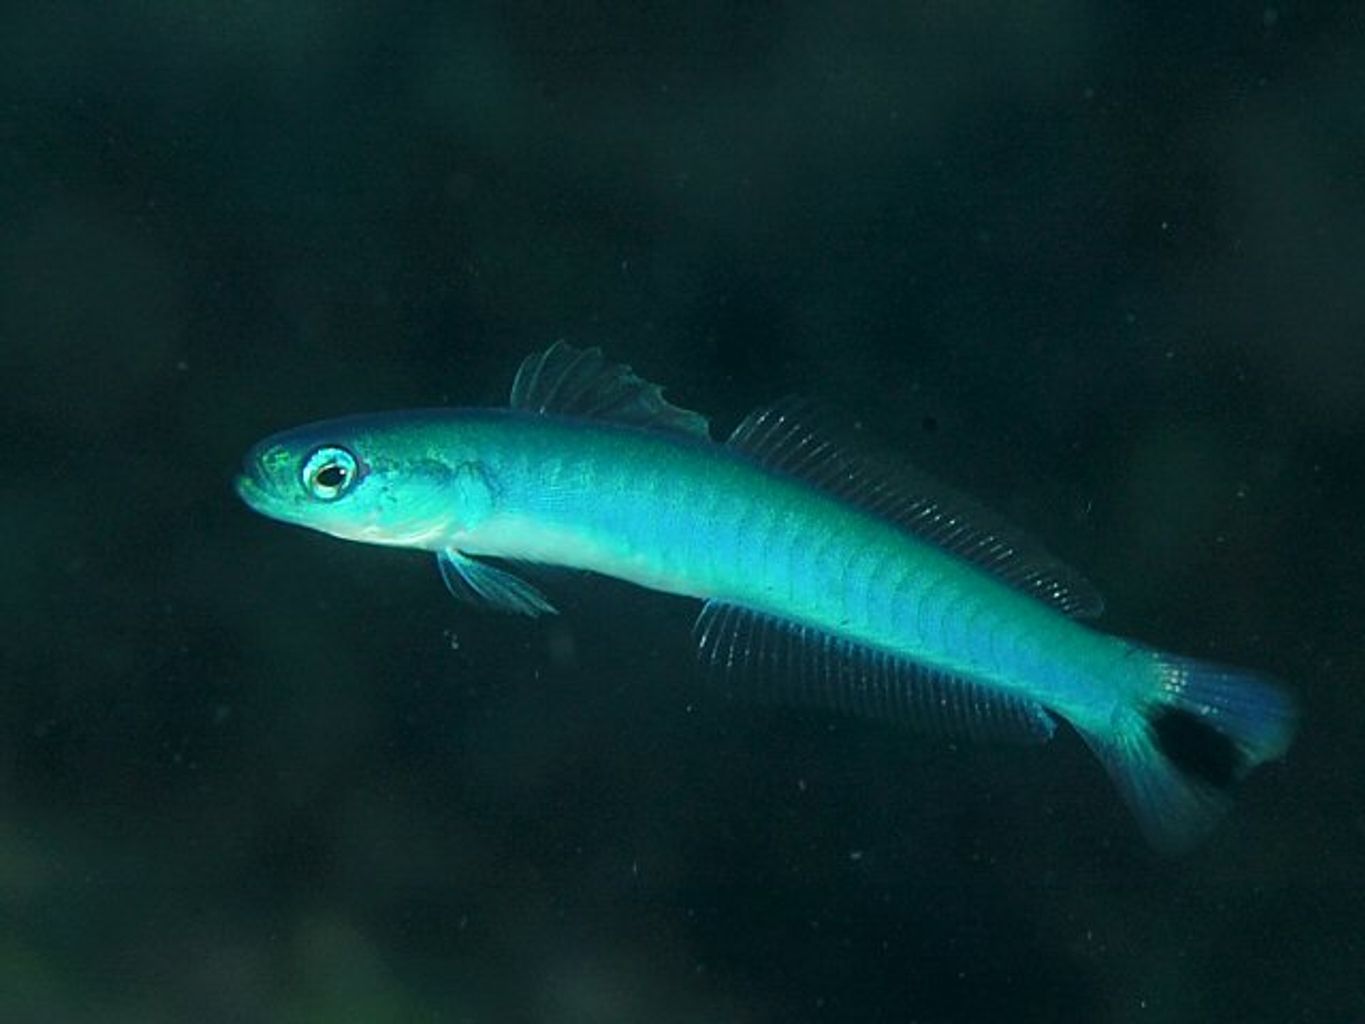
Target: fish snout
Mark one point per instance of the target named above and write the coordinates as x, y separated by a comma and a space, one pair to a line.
264, 477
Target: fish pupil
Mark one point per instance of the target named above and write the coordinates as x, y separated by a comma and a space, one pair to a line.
331, 476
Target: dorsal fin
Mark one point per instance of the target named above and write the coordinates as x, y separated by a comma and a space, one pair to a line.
782, 437
572, 381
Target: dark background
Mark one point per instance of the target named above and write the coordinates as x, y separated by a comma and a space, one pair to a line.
1099, 263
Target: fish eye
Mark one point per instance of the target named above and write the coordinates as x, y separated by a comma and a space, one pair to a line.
329, 472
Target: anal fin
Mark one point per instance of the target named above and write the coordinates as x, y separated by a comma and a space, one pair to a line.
779, 661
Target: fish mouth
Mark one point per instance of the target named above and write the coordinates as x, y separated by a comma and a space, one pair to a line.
250, 491
262, 498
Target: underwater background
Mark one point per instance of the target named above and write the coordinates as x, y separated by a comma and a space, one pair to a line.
1100, 264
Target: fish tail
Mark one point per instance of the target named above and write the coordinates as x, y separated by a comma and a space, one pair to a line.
1195, 731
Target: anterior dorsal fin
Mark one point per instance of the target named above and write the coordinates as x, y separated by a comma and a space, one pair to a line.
782, 437
580, 382
785, 662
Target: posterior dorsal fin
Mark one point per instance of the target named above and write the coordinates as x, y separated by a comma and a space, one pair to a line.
783, 437
572, 381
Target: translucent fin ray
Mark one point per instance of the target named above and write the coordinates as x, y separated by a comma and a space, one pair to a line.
788, 436
490, 587
581, 382
782, 662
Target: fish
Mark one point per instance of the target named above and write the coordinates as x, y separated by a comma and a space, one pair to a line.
831, 577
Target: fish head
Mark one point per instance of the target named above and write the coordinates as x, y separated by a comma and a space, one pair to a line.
360, 478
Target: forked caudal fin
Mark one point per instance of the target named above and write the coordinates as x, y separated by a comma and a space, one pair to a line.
1177, 758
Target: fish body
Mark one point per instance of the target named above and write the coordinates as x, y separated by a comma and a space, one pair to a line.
856, 593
